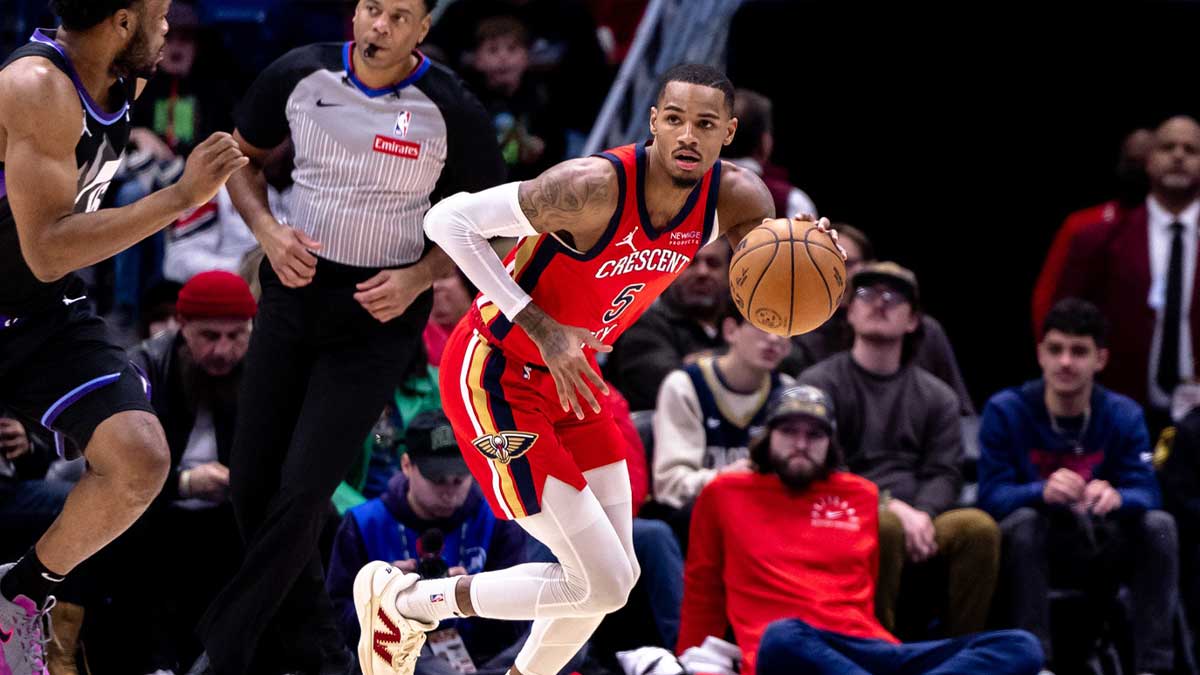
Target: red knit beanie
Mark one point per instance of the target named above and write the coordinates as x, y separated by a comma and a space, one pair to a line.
216, 295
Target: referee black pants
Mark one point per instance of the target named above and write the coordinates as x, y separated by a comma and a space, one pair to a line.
318, 372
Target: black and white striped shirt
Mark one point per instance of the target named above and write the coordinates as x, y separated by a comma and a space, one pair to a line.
369, 162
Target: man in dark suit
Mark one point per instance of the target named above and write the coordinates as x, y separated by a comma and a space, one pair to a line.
1140, 270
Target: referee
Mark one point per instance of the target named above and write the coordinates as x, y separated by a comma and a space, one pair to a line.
380, 132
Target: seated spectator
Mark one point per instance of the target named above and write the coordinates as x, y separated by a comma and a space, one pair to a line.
182, 105
751, 149
564, 49
707, 413
30, 500
432, 520
658, 592
1065, 468
900, 428
1180, 478
385, 444
189, 531
212, 237
452, 296
531, 139
684, 323
928, 347
794, 546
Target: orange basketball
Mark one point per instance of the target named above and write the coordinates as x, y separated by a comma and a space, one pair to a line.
787, 277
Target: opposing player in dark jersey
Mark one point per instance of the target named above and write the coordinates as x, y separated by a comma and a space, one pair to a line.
602, 237
64, 123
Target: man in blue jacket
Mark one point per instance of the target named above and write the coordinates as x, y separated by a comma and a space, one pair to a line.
1065, 469
431, 520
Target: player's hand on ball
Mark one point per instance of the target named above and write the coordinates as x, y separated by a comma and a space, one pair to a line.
208, 167
290, 252
388, 294
562, 350
824, 226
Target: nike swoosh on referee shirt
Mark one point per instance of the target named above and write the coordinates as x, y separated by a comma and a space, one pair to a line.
323, 104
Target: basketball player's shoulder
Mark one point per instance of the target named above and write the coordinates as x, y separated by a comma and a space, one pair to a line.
743, 197
37, 94
584, 188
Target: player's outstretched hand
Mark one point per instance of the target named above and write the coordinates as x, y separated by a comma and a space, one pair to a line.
208, 167
824, 226
562, 350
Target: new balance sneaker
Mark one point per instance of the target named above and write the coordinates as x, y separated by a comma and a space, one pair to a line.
23, 634
388, 643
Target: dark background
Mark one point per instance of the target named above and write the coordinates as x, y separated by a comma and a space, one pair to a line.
959, 139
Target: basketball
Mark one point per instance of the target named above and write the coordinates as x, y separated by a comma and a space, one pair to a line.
787, 277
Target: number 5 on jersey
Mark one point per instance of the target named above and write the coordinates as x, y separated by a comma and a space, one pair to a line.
619, 304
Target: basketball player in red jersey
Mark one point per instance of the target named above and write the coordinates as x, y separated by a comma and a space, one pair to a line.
601, 238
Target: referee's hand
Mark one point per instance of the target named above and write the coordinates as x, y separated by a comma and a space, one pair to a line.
291, 254
388, 294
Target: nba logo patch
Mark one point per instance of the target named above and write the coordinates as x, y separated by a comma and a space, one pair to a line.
403, 119
437, 597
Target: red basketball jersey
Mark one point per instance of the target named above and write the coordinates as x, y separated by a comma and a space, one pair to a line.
608, 287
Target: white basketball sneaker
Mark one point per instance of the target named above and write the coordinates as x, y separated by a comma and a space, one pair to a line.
388, 643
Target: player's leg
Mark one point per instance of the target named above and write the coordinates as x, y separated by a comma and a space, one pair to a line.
86, 391
509, 444
554, 642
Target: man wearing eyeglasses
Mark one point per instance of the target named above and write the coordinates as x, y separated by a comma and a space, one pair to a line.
899, 426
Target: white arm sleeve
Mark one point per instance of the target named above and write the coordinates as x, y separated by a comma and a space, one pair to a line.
461, 225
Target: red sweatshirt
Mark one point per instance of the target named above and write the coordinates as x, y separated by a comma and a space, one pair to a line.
759, 552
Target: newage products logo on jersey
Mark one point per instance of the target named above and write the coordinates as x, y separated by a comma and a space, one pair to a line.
390, 146
690, 237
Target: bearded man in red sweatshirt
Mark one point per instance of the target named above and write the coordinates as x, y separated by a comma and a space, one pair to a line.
788, 555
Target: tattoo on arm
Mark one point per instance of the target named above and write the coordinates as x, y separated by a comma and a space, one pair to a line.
555, 200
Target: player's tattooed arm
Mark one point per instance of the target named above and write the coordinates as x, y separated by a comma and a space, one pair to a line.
577, 197
744, 202
562, 350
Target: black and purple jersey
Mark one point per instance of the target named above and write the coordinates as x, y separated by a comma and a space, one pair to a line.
103, 135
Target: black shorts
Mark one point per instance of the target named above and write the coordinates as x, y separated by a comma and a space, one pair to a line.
59, 368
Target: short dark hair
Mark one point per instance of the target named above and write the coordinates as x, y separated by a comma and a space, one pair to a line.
501, 26
84, 14
1078, 318
754, 114
701, 74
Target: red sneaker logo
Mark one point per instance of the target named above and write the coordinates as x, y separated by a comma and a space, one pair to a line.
384, 638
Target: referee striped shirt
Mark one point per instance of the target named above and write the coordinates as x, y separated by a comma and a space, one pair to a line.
369, 162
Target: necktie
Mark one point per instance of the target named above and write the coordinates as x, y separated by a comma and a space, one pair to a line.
1168, 355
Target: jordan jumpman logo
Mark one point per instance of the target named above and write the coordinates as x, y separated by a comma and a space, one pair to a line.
628, 241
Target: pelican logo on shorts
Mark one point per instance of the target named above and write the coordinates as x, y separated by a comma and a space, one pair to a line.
505, 446
403, 119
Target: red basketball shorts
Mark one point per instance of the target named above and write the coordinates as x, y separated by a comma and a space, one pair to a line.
511, 429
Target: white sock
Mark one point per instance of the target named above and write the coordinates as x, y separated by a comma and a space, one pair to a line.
432, 600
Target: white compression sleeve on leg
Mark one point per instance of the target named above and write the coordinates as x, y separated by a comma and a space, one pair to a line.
593, 575
461, 225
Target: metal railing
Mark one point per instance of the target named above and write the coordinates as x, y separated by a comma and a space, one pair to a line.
670, 32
